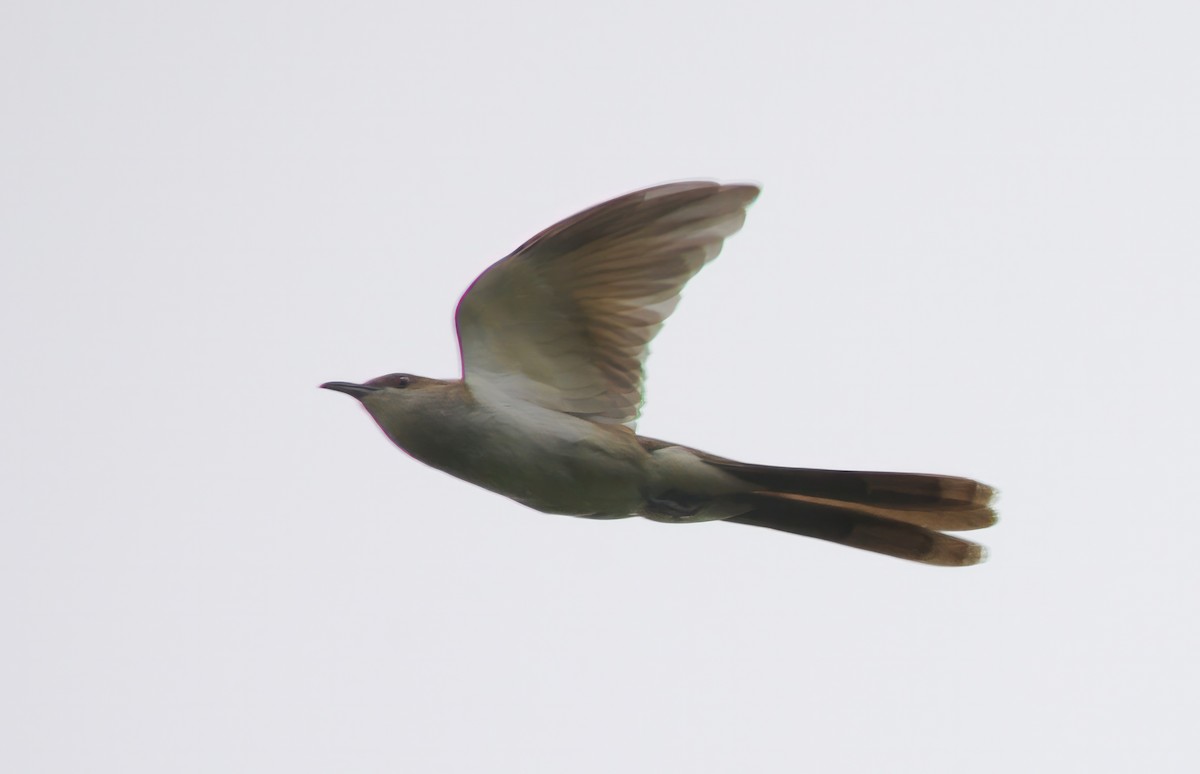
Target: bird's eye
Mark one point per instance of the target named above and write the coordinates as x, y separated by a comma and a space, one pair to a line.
391, 380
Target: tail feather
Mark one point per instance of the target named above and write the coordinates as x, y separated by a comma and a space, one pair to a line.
941, 518
898, 514
893, 490
843, 524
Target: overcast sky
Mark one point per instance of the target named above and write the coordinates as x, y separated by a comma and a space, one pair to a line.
975, 253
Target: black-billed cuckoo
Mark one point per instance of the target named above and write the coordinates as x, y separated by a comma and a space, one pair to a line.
553, 340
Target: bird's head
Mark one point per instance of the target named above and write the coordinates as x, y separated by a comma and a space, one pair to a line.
390, 390
395, 395
411, 410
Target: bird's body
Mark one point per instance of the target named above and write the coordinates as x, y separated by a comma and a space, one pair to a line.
549, 461
553, 340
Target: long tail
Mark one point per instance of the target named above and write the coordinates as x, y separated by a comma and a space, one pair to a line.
898, 514
843, 523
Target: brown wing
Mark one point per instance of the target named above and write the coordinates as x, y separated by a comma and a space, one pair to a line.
564, 321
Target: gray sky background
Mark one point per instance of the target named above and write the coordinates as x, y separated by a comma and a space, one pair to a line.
975, 253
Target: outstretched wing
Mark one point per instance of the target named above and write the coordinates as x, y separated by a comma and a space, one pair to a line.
565, 320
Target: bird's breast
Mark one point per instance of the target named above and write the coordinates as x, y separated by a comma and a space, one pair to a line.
545, 459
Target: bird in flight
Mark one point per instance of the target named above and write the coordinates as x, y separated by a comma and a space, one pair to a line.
554, 339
